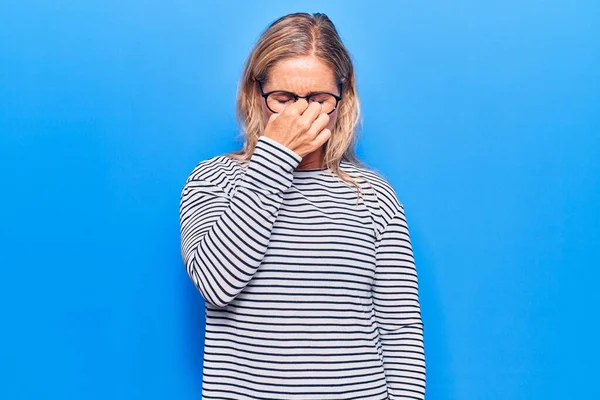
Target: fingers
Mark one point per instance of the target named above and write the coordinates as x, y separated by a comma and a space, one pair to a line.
296, 108
302, 120
304, 109
311, 113
302, 123
321, 138
318, 125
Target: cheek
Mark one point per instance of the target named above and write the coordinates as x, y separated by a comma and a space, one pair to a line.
266, 113
332, 120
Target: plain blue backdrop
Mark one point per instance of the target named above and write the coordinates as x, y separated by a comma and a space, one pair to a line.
484, 116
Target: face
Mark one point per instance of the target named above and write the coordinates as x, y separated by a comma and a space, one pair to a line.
301, 75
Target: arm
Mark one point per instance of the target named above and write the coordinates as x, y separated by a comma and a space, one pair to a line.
224, 238
397, 311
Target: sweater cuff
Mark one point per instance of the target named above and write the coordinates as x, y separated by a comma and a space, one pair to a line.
271, 167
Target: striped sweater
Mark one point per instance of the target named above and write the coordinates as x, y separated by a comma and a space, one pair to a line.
308, 294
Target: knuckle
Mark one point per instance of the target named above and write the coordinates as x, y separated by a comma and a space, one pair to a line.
303, 124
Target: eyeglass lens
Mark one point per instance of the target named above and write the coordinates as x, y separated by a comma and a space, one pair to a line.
277, 101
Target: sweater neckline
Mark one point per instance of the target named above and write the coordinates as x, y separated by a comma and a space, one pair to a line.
310, 171
297, 172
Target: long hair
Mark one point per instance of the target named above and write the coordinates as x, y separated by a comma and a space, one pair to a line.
302, 34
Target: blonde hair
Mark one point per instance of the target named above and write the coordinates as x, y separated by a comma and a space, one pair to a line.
302, 34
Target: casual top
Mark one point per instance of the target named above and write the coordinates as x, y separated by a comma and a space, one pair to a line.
308, 294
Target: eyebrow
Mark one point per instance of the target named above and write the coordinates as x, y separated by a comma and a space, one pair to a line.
307, 94
339, 88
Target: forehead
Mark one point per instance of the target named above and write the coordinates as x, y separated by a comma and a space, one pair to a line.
301, 75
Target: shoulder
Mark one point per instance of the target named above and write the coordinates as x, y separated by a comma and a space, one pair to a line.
220, 170
379, 194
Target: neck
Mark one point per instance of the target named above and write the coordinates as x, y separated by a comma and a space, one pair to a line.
312, 160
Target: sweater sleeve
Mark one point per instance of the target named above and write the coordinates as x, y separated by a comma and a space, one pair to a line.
224, 237
397, 311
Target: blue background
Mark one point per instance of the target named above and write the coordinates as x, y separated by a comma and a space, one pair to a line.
485, 117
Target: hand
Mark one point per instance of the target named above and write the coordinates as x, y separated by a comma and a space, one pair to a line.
301, 127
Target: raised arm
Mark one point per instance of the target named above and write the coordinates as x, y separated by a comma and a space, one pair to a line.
397, 311
223, 237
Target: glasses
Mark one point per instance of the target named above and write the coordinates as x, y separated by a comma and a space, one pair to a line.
277, 100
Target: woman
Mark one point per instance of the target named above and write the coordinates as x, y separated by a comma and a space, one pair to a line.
302, 254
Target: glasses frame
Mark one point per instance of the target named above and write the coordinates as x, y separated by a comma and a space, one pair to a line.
296, 97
